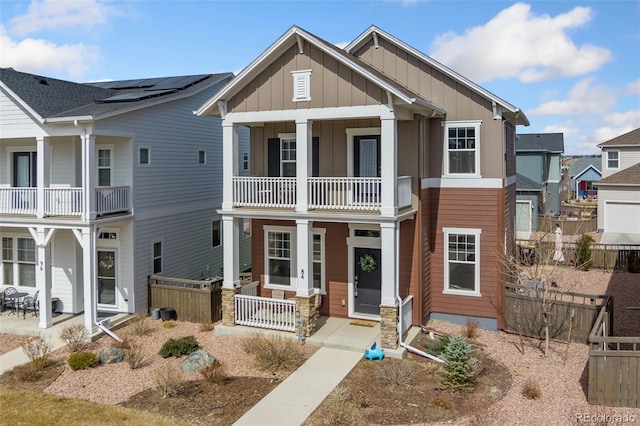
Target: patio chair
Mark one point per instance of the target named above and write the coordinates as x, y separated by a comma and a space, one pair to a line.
9, 303
28, 303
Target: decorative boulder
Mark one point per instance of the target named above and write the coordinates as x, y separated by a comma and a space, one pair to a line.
111, 355
197, 359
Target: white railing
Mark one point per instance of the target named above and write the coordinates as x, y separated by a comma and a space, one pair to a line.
406, 314
264, 192
112, 199
345, 193
404, 191
63, 201
263, 312
18, 200
250, 289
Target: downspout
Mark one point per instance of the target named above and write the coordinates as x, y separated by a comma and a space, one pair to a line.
101, 326
411, 348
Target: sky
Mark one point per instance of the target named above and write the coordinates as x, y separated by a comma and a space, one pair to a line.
573, 67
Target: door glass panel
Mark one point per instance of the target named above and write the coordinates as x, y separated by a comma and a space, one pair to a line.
24, 174
106, 278
368, 166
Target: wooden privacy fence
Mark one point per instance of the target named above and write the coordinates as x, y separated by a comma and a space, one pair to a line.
194, 300
523, 312
569, 226
614, 364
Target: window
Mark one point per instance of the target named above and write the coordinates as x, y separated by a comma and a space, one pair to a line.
202, 156
25, 169
107, 294
18, 262
278, 258
144, 156
245, 161
613, 159
108, 236
318, 261
7, 261
462, 140
104, 167
288, 157
216, 234
157, 257
462, 266
301, 85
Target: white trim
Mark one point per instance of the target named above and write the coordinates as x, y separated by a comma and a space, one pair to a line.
117, 289
465, 231
323, 276
291, 230
309, 114
111, 149
352, 243
351, 134
200, 150
148, 163
606, 161
456, 182
530, 210
477, 151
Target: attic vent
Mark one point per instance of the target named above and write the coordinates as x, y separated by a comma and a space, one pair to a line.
301, 85
41, 80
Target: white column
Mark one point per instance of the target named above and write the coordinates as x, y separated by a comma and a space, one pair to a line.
389, 239
89, 176
303, 163
230, 245
43, 277
229, 162
389, 165
42, 173
304, 257
89, 277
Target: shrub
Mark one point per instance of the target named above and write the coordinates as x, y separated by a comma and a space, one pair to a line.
213, 373
471, 328
82, 360
531, 389
338, 410
169, 324
274, 352
396, 373
74, 336
38, 350
26, 373
583, 252
178, 347
442, 400
168, 381
136, 357
206, 326
140, 325
436, 347
461, 367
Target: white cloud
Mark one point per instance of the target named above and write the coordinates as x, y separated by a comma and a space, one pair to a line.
568, 129
628, 118
633, 88
588, 142
517, 43
584, 97
39, 56
56, 14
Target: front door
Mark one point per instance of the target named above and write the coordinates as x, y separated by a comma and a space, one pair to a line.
367, 281
107, 286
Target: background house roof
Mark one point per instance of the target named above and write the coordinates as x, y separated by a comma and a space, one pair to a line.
523, 183
628, 176
540, 142
577, 165
630, 138
53, 98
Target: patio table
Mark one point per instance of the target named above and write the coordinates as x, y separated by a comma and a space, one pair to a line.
16, 299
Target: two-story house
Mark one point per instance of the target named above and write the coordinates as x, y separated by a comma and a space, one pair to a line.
104, 184
379, 177
539, 160
619, 189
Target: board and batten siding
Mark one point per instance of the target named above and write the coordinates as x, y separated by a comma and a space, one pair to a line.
63, 157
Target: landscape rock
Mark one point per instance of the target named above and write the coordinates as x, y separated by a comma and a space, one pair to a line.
197, 359
111, 355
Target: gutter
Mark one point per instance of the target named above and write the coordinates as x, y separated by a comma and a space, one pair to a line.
103, 325
411, 348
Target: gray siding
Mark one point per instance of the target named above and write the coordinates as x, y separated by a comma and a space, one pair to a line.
531, 166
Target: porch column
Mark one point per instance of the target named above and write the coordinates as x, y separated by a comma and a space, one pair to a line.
89, 176
89, 277
229, 162
303, 163
42, 173
390, 237
304, 256
388, 165
230, 244
43, 275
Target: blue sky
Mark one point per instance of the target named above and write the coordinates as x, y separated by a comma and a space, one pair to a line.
573, 67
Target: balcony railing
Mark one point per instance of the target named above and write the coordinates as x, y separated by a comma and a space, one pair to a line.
63, 201
324, 193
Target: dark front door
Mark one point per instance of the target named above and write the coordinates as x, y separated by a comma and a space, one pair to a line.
367, 281
24, 169
366, 156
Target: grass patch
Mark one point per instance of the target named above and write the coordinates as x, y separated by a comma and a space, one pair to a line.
274, 353
531, 389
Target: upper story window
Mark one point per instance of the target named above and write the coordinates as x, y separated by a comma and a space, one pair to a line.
157, 257
462, 261
288, 157
104, 167
144, 156
216, 233
613, 159
462, 148
202, 156
301, 85
245, 161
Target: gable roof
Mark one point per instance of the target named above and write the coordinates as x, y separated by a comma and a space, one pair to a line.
627, 177
374, 32
628, 139
523, 183
540, 142
578, 165
53, 100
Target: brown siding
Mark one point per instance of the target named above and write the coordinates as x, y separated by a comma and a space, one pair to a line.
450, 208
425, 239
410, 265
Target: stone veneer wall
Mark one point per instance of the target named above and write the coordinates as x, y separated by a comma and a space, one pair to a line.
307, 308
228, 306
389, 326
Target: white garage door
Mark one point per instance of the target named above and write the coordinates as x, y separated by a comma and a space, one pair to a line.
523, 216
623, 218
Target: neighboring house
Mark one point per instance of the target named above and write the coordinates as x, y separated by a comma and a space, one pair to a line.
528, 204
104, 184
539, 158
584, 171
377, 174
619, 189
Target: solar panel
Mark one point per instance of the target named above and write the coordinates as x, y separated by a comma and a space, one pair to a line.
136, 96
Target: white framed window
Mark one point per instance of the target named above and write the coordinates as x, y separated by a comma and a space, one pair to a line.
245, 161
318, 261
462, 261
216, 233
18, 262
613, 160
157, 257
7, 262
301, 85
462, 148
288, 155
105, 164
108, 236
202, 156
144, 156
279, 249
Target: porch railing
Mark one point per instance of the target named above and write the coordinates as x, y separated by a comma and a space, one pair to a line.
264, 192
345, 193
112, 199
264, 312
250, 289
63, 201
18, 201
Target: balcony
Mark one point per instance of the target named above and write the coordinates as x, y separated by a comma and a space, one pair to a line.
360, 194
63, 201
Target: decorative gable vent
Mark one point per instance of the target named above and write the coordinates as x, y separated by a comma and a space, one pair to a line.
301, 85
